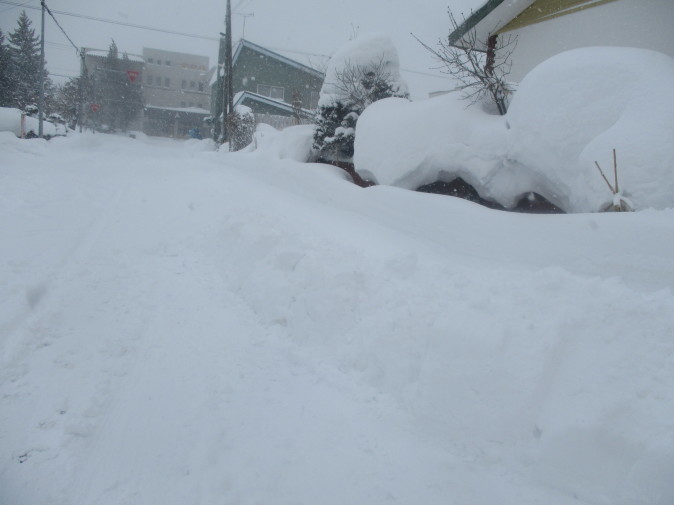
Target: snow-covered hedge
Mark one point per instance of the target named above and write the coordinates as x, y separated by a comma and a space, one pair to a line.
569, 112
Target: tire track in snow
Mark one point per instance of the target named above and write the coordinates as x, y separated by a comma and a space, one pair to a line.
49, 288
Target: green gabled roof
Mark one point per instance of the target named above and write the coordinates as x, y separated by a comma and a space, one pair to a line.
271, 54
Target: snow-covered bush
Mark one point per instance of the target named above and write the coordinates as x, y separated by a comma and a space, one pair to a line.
568, 112
362, 72
241, 128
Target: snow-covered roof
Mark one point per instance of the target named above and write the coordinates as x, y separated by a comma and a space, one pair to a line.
488, 19
271, 54
190, 110
103, 53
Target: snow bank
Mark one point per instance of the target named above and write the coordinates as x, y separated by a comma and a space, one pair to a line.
408, 144
573, 109
366, 50
292, 143
568, 112
10, 121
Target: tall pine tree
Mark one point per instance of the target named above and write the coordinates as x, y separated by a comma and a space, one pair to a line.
120, 99
6, 73
24, 48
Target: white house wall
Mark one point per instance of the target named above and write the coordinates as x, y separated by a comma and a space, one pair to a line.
644, 24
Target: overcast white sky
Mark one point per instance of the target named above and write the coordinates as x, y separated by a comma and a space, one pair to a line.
306, 26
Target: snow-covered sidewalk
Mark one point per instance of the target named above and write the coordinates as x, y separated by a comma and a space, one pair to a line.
184, 326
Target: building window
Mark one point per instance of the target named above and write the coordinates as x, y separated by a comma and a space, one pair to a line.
183, 85
157, 81
201, 86
182, 104
274, 92
200, 105
191, 104
167, 63
150, 60
167, 82
191, 84
149, 79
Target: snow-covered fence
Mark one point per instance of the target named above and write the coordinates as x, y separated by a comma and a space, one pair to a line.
279, 122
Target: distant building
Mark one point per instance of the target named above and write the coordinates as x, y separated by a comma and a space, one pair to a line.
273, 86
130, 65
176, 91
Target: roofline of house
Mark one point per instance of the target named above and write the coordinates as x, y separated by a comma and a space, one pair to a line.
246, 43
472, 21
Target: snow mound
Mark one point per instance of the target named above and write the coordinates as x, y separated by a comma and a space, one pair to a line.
575, 108
10, 121
409, 144
292, 143
568, 112
366, 50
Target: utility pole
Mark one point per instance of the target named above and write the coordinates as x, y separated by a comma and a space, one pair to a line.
228, 106
40, 105
80, 89
220, 94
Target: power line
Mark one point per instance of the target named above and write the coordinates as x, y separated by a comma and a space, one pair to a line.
60, 27
15, 6
121, 23
171, 32
150, 28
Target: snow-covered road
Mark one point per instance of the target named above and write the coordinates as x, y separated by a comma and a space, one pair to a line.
184, 326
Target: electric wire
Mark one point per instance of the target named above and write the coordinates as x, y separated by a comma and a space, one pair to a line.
15, 6
192, 35
77, 50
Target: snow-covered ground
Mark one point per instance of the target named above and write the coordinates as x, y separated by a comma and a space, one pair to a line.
179, 325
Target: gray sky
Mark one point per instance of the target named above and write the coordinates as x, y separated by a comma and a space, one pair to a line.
303, 26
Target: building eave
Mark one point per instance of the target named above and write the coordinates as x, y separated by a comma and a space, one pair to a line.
487, 20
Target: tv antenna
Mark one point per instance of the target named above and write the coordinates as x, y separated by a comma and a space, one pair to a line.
245, 16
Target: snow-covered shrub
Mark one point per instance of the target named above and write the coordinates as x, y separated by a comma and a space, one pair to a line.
568, 112
361, 73
241, 127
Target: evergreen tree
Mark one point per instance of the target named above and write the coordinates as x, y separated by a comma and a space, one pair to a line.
130, 96
66, 101
355, 87
6, 74
120, 99
25, 67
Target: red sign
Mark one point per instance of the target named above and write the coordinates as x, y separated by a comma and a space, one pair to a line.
94, 107
133, 75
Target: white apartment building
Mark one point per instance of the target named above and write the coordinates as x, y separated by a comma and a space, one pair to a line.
176, 92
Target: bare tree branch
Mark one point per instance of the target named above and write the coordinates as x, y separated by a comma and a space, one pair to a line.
479, 76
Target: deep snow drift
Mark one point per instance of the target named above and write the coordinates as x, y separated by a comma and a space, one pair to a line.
567, 113
179, 325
